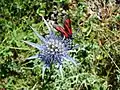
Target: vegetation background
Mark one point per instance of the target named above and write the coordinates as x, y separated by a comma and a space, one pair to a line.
97, 24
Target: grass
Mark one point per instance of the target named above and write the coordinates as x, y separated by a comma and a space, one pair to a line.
97, 30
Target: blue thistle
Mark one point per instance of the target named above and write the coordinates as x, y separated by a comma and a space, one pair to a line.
53, 50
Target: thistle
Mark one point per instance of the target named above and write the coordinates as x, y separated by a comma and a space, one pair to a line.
54, 49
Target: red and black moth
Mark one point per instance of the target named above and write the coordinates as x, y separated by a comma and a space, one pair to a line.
66, 30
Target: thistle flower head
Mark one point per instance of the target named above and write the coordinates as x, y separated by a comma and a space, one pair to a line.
53, 50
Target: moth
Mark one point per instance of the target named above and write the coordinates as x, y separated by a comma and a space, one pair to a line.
66, 30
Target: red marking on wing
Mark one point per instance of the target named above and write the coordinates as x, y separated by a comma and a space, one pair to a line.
67, 26
60, 29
